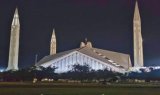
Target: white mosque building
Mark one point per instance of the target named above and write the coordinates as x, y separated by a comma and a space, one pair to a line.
86, 54
97, 58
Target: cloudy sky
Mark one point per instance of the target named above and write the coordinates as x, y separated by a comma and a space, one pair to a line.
106, 23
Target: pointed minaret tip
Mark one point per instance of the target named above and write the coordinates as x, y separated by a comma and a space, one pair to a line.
136, 12
53, 38
53, 33
15, 18
16, 10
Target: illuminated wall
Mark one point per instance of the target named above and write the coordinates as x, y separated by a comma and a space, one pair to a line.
66, 62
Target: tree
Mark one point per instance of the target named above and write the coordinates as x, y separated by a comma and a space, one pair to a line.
80, 72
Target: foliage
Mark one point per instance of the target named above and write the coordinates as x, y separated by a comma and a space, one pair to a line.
145, 74
83, 73
86, 73
28, 74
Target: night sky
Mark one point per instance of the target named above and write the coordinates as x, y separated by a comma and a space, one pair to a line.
106, 23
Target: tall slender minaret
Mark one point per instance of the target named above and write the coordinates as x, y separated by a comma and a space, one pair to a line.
53, 44
138, 41
14, 43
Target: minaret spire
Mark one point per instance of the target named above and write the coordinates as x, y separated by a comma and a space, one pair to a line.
14, 43
53, 46
138, 41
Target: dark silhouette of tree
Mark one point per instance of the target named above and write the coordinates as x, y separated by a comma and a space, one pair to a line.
80, 72
42, 72
29, 74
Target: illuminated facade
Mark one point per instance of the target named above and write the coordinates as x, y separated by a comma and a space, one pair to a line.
98, 58
14, 43
86, 54
53, 44
138, 41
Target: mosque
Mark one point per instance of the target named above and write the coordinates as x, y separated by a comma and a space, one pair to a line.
94, 57
85, 54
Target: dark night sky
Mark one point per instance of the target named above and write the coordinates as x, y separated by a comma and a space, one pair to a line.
107, 23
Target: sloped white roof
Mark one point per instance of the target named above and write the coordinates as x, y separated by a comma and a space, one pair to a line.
109, 57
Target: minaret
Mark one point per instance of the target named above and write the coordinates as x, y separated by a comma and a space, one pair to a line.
53, 44
138, 41
14, 43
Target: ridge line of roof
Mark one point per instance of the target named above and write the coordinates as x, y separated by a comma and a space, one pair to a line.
113, 51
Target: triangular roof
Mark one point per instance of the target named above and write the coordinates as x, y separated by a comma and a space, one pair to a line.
106, 56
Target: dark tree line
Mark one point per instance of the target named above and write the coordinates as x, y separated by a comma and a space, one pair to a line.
28, 74
145, 74
82, 73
